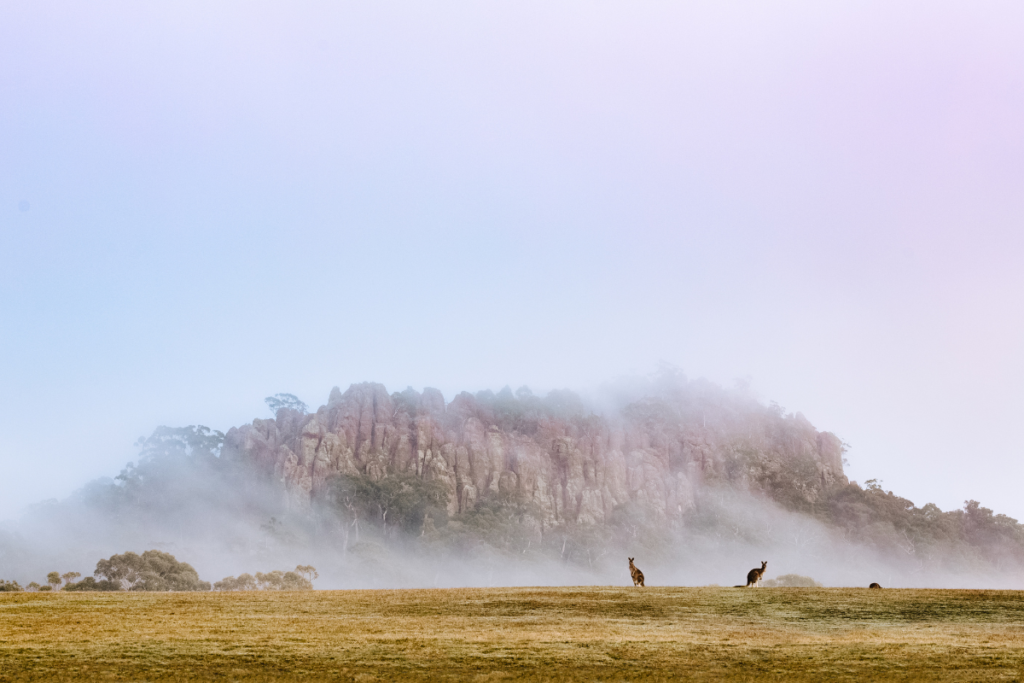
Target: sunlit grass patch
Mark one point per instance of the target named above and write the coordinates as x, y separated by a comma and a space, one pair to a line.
581, 633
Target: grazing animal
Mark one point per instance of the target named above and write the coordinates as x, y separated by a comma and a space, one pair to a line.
874, 585
754, 575
638, 576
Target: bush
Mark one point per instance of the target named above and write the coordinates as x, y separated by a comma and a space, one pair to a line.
9, 586
791, 581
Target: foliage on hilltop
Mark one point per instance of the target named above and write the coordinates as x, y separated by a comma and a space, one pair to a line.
179, 482
879, 518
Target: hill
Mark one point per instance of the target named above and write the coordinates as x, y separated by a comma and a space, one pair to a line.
692, 478
572, 465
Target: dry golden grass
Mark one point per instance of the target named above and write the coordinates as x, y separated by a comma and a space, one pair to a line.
558, 634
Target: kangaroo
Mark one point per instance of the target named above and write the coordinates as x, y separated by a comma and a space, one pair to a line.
874, 585
638, 576
754, 575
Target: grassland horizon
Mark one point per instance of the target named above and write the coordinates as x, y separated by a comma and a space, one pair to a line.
594, 633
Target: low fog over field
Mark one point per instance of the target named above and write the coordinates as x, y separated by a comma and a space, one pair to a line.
407, 489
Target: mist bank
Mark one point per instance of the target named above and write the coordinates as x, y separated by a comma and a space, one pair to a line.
406, 489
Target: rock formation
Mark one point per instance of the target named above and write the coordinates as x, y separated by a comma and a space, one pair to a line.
575, 466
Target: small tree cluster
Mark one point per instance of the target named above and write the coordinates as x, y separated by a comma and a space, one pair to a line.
289, 401
153, 570
244, 582
299, 580
398, 501
282, 581
54, 582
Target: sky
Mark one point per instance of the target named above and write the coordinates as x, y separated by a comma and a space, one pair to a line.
203, 204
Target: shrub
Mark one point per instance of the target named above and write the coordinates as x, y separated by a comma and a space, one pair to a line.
791, 581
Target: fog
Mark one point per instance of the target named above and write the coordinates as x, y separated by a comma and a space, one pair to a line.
226, 518
758, 530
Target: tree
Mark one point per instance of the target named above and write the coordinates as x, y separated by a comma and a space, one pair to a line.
69, 577
398, 501
53, 578
308, 572
276, 531
171, 460
91, 584
506, 522
125, 570
152, 571
282, 581
244, 582
9, 586
290, 401
191, 441
298, 580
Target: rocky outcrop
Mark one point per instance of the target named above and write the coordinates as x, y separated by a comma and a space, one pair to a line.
572, 465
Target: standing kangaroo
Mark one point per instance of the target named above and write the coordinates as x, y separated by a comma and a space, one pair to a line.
638, 576
754, 576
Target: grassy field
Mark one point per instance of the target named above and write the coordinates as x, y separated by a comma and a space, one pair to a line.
557, 634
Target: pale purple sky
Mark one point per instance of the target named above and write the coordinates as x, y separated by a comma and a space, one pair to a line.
202, 204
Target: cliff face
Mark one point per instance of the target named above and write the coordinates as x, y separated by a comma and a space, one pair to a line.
574, 466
